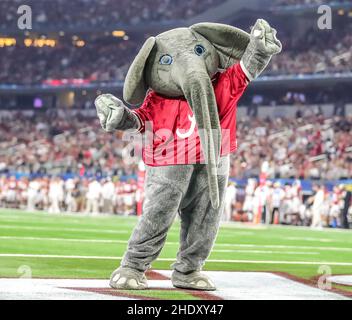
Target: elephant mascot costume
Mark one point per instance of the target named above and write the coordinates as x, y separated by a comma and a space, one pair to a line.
188, 82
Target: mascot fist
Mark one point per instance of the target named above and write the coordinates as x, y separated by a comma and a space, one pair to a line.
263, 44
263, 37
110, 111
114, 115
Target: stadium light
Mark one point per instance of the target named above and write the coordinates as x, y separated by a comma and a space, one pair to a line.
341, 12
80, 43
28, 42
7, 42
119, 33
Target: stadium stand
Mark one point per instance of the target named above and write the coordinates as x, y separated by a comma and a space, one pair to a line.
53, 155
102, 13
108, 59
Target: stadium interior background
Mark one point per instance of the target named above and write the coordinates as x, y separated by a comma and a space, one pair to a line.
294, 123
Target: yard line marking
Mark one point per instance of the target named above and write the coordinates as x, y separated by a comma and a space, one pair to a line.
63, 239
311, 239
104, 230
280, 246
226, 225
255, 246
241, 225
45, 256
64, 229
267, 251
48, 221
234, 232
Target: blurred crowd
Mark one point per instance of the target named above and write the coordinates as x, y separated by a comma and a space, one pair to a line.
55, 195
104, 62
309, 146
101, 13
274, 203
306, 2
96, 61
60, 158
59, 142
264, 202
106, 58
314, 52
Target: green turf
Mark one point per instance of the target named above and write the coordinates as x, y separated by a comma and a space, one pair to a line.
105, 238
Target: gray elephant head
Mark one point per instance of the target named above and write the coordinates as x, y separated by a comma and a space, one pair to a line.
181, 62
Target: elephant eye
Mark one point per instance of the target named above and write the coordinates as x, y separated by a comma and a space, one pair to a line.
165, 59
199, 50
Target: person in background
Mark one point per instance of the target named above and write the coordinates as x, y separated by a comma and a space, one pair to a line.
261, 201
2, 190
80, 193
70, 201
11, 194
230, 200
56, 194
297, 201
248, 205
118, 197
318, 207
277, 197
347, 202
93, 196
129, 197
22, 192
286, 208
43, 197
335, 207
108, 192
33, 194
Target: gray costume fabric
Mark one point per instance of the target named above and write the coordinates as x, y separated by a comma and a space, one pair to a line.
170, 190
182, 62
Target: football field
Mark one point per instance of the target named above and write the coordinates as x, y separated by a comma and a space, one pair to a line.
42, 245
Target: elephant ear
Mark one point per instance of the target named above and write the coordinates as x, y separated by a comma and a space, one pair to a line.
135, 87
230, 42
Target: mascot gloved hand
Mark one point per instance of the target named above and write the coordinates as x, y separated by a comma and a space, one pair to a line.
113, 114
188, 82
262, 46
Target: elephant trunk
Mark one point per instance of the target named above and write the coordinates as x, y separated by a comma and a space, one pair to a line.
199, 92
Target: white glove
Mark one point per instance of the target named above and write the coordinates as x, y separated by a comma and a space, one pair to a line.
110, 111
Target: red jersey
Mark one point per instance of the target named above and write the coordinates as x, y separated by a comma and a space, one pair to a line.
170, 126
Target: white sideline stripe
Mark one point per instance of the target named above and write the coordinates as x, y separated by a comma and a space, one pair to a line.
10, 255
64, 229
5, 212
102, 230
312, 239
279, 246
62, 239
268, 251
177, 243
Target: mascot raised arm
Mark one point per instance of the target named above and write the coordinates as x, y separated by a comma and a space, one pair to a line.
188, 82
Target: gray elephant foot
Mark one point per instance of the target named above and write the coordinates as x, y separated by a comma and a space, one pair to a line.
193, 281
128, 279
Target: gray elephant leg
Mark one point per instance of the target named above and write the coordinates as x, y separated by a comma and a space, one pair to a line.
199, 228
164, 190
